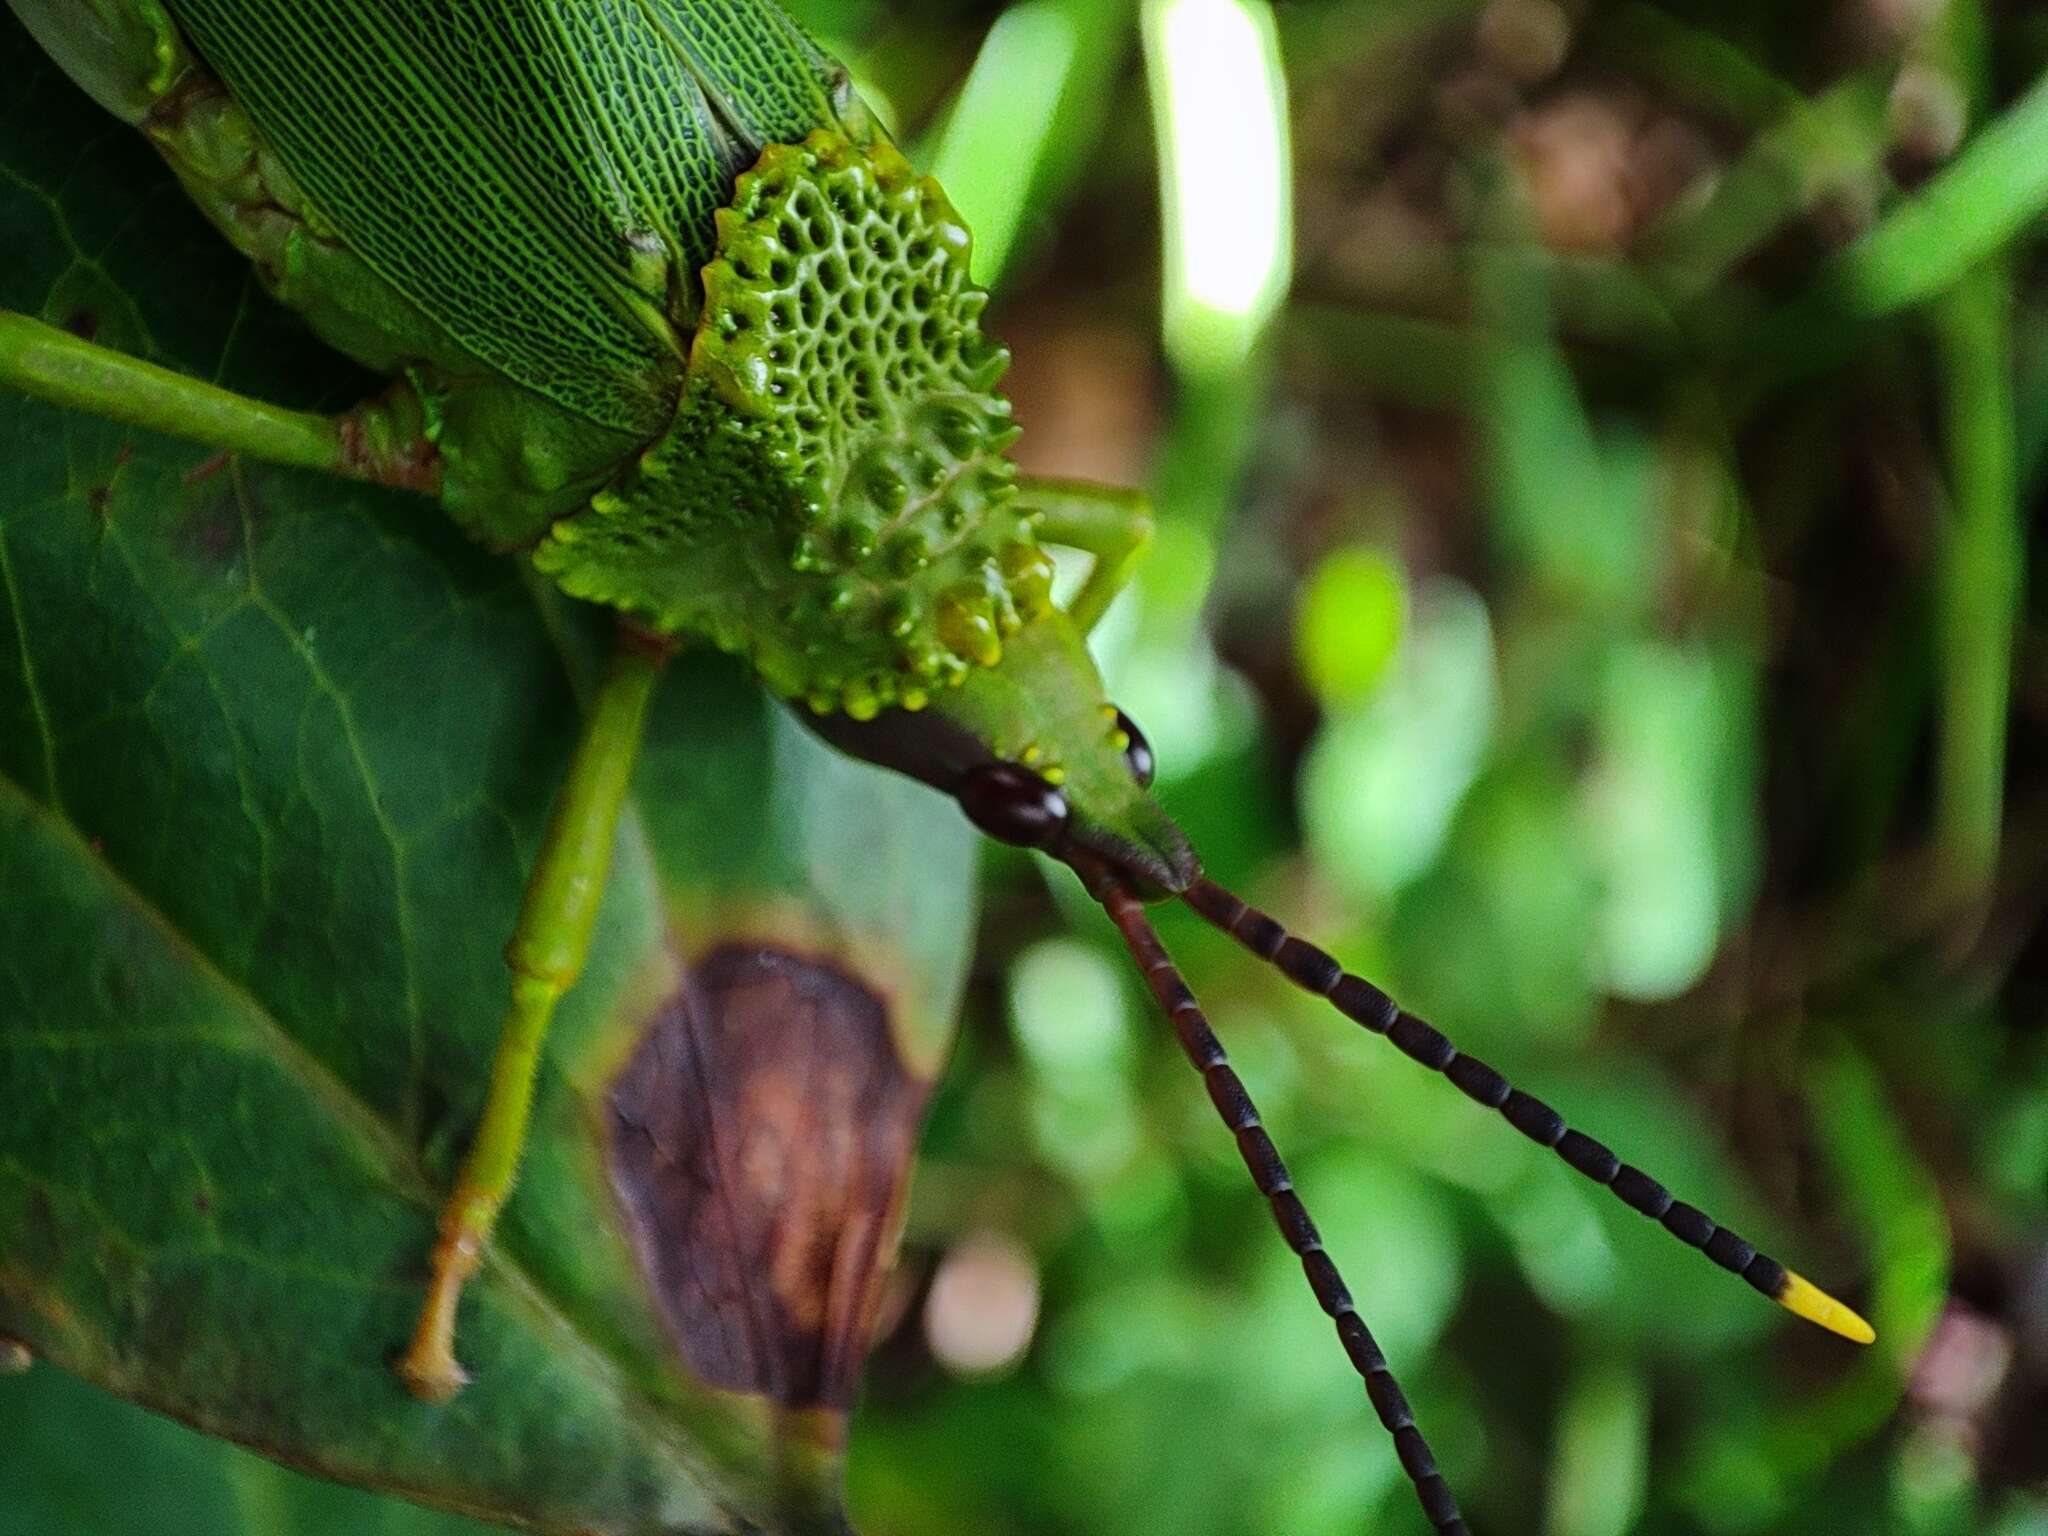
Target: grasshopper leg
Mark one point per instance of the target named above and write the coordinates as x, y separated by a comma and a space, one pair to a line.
380, 441
1110, 523
546, 952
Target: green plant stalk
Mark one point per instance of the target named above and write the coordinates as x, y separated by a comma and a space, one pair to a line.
1981, 572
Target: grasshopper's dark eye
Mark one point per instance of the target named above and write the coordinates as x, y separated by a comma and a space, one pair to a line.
1014, 805
1139, 753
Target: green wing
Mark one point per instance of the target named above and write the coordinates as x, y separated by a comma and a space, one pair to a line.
531, 173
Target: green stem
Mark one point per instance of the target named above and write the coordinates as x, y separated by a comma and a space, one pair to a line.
1981, 574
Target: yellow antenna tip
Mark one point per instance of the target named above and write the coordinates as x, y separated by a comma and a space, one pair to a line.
1803, 1298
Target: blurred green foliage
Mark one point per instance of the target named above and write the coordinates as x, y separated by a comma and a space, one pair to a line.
1597, 608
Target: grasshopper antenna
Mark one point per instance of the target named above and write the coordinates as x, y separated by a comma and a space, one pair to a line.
1314, 971
1263, 1160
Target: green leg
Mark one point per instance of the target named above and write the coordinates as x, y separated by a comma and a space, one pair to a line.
379, 441
546, 952
1112, 524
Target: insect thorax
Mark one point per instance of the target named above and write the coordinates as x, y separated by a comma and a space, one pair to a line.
832, 500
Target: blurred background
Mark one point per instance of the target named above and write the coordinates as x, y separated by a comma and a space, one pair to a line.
1595, 448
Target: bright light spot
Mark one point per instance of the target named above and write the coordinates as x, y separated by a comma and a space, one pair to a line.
1382, 784
1675, 781
1220, 113
1935, 1473
1349, 625
983, 1305
998, 131
1068, 1006
1963, 1365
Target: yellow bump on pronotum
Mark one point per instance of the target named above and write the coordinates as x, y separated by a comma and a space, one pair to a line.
1803, 1298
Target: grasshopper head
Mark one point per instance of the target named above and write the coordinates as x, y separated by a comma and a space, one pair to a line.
1037, 756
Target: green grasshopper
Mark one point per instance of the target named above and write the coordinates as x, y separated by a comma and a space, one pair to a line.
667, 314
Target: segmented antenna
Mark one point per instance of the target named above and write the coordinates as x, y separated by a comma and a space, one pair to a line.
1314, 971
1263, 1160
